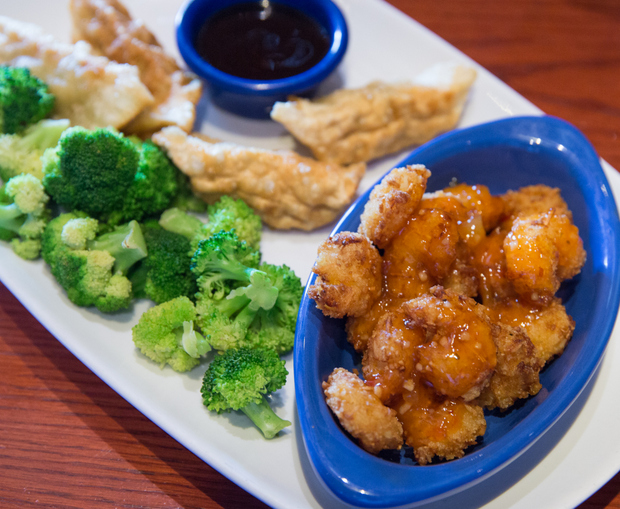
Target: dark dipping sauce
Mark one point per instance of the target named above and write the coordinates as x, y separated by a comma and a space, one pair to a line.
262, 41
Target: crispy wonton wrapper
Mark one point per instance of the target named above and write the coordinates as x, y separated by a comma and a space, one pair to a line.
109, 28
352, 125
91, 91
285, 189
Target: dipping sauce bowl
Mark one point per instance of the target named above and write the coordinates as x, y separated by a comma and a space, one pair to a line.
254, 53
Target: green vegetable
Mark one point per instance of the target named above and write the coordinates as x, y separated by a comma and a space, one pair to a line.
165, 273
225, 215
21, 153
92, 269
24, 99
166, 335
24, 215
108, 176
240, 379
240, 303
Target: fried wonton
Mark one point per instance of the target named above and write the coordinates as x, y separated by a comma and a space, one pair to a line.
109, 28
285, 189
353, 125
91, 91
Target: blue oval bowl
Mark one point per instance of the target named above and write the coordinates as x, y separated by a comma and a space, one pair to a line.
253, 98
505, 154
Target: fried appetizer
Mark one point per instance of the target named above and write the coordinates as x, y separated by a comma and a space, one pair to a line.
392, 203
348, 269
541, 251
353, 125
285, 189
110, 29
536, 199
516, 375
361, 413
91, 91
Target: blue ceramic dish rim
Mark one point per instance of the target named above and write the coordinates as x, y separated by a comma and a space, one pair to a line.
432, 482
298, 83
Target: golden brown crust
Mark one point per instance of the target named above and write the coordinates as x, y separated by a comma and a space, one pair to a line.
348, 269
361, 413
392, 203
354, 125
110, 29
285, 189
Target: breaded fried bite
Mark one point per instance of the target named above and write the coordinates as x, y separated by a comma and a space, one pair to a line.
348, 269
534, 200
392, 203
516, 375
361, 413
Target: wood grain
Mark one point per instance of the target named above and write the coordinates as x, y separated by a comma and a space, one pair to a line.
68, 441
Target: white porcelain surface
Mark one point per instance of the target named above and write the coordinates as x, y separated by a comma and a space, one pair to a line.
575, 458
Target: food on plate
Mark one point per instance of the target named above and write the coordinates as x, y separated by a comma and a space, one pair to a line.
241, 302
466, 316
354, 125
109, 28
92, 268
90, 90
24, 214
348, 269
165, 334
24, 99
361, 412
21, 153
285, 189
240, 379
111, 177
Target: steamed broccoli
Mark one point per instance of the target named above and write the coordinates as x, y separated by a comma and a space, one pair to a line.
240, 303
224, 215
166, 335
21, 153
24, 99
240, 379
92, 268
108, 176
24, 214
165, 273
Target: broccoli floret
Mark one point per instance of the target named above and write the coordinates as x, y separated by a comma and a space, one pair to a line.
185, 198
21, 153
24, 99
165, 273
224, 215
92, 269
24, 215
240, 379
108, 176
166, 335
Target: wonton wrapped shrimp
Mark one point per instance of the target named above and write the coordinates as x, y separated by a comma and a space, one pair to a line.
348, 269
285, 189
353, 125
361, 413
392, 203
109, 28
91, 91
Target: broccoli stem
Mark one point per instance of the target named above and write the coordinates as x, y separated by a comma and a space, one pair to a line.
263, 416
11, 217
44, 134
177, 221
126, 244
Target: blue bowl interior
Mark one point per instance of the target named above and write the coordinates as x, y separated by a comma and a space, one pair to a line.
502, 155
250, 97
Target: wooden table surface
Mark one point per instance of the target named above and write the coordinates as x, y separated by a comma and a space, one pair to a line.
68, 440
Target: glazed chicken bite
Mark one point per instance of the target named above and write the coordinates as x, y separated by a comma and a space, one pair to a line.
361, 413
392, 202
348, 269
